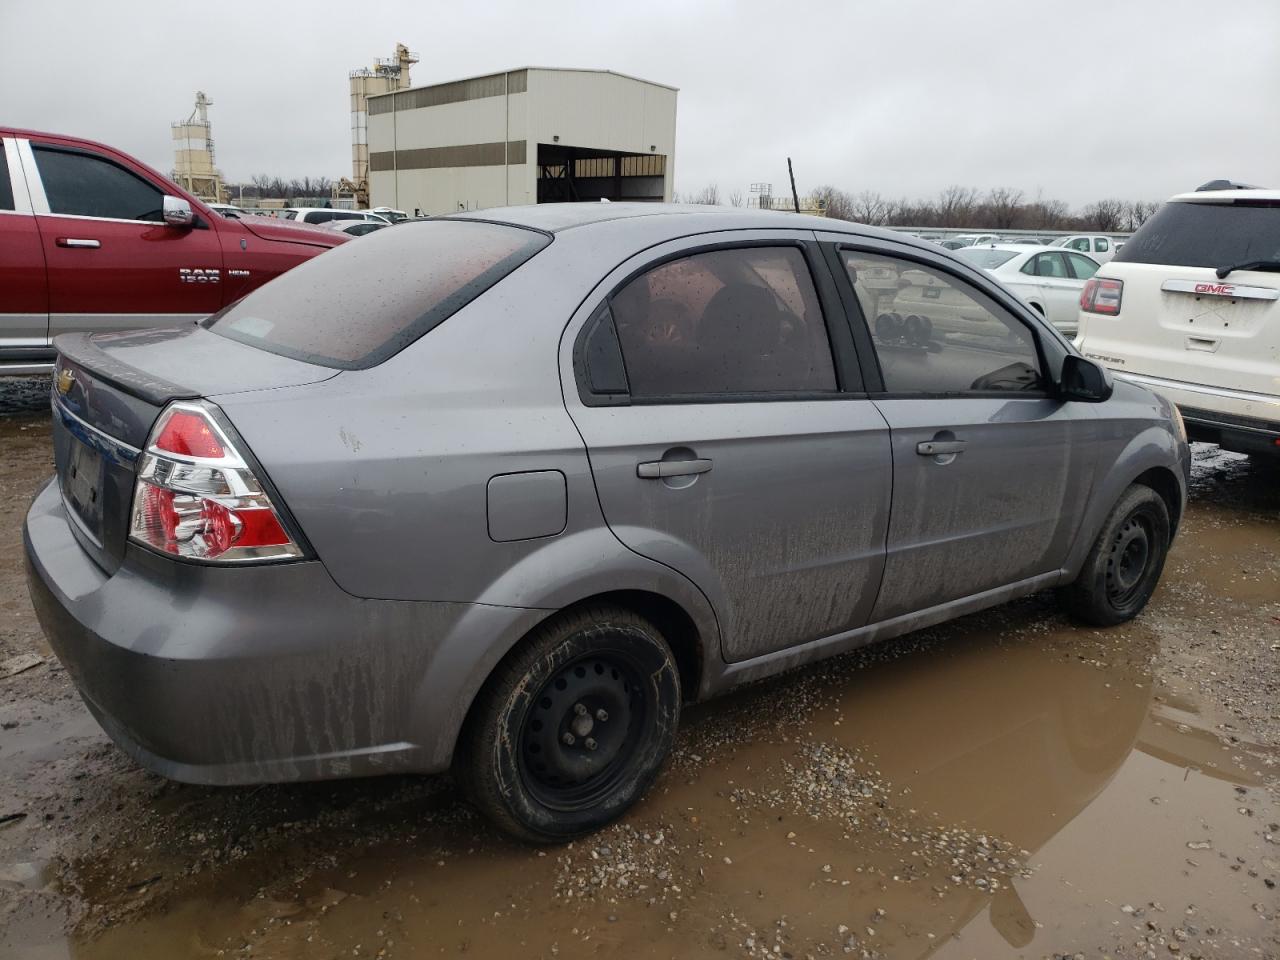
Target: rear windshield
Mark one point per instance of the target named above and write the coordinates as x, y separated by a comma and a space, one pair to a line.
1182, 234
985, 257
364, 301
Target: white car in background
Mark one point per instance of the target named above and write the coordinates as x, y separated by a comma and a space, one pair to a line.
973, 239
1049, 279
1191, 308
1100, 247
317, 215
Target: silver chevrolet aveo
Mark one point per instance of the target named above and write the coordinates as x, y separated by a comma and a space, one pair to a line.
501, 492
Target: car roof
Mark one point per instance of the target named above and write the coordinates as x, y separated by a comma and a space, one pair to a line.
677, 219
1225, 196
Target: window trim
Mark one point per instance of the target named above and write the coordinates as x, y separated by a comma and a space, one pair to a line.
844, 355
48, 211
872, 372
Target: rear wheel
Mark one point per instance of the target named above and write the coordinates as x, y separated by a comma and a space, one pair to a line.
571, 729
1124, 565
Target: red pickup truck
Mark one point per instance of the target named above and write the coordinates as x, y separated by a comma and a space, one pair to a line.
91, 239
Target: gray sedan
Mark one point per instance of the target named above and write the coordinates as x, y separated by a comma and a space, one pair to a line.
503, 491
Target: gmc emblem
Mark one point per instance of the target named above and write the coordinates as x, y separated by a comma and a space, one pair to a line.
1217, 289
199, 274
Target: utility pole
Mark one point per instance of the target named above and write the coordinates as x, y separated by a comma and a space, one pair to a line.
795, 197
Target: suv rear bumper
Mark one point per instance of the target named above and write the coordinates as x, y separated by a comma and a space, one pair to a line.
255, 674
1234, 419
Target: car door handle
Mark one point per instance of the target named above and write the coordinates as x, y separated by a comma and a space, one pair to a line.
657, 469
933, 448
78, 243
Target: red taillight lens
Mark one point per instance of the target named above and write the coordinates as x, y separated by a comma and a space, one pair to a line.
1102, 295
197, 498
190, 435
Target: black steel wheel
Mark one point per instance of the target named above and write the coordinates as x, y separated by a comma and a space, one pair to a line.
1124, 565
572, 727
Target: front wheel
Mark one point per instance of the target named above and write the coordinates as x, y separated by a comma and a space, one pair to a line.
1124, 565
573, 727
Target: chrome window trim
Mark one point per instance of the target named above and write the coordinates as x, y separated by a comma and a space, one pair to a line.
17, 179
35, 186
81, 216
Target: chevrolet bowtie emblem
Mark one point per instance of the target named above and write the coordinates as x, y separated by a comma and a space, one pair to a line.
65, 380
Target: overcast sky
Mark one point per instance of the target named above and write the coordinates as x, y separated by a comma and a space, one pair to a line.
1075, 99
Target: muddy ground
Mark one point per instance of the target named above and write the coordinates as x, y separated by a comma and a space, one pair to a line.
1009, 785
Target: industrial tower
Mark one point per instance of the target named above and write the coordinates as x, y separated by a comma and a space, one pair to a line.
383, 77
193, 154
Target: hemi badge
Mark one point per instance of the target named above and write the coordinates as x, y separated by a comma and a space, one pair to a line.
1209, 289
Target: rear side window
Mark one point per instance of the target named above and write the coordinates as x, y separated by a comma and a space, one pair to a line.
360, 303
1182, 234
1082, 266
6, 187
87, 185
738, 321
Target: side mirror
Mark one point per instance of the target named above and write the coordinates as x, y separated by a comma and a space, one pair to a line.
1084, 380
177, 212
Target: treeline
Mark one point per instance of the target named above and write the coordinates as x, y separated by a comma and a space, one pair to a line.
1002, 208
262, 186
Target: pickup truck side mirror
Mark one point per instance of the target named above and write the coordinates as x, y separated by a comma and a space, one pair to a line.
177, 212
1084, 380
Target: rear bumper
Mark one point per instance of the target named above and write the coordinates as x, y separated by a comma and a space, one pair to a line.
255, 674
1234, 419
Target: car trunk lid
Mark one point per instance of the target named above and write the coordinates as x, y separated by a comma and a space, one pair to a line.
108, 390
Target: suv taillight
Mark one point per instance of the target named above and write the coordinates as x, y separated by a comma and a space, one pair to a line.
1101, 295
197, 498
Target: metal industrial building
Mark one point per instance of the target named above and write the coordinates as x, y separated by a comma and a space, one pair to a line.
532, 135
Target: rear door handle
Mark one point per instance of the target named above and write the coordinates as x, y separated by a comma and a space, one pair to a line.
656, 469
79, 243
933, 448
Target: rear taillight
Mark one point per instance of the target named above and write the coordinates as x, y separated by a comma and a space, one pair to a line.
196, 497
1102, 295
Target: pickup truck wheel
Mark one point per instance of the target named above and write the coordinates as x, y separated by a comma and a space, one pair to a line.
572, 728
1124, 565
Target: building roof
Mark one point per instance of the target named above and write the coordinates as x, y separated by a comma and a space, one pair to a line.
496, 73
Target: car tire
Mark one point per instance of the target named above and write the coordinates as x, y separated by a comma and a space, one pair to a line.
572, 727
1124, 565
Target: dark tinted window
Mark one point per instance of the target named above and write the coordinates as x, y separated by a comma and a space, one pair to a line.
745, 320
1206, 235
6, 188
359, 303
936, 334
88, 185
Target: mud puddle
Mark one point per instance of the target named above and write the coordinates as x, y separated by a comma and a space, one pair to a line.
985, 790
1005, 786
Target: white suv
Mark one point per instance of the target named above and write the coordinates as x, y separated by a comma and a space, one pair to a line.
1191, 308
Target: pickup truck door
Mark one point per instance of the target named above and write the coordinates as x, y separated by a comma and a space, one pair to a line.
112, 261
24, 292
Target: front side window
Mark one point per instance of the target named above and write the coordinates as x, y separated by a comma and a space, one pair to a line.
87, 185
739, 321
1080, 243
936, 334
1046, 265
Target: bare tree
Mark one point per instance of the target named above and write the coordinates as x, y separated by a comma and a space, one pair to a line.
833, 201
870, 207
1003, 208
955, 206
709, 194
1136, 213
1104, 215
735, 198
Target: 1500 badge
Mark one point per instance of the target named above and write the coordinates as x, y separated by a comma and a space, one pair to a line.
199, 274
